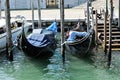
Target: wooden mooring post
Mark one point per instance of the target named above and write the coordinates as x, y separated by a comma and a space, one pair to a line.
0, 9
88, 15
119, 16
110, 40
105, 33
96, 29
8, 31
110, 33
62, 29
32, 5
39, 14
106, 7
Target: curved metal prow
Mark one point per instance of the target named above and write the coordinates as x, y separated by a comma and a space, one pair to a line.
23, 28
23, 35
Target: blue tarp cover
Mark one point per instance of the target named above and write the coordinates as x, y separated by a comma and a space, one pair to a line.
43, 38
40, 40
53, 27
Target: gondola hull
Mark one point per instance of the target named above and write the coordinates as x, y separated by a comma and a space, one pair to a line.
16, 31
40, 43
33, 51
81, 47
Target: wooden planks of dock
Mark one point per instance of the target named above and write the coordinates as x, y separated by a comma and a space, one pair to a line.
115, 36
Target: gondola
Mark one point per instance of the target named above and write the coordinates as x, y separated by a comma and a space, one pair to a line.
40, 43
81, 46
16, 29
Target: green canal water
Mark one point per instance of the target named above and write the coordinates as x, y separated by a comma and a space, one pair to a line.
25, 68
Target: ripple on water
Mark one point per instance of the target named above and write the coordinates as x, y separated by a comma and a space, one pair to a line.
56, 69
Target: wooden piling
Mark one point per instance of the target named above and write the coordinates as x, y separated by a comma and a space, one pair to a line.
62, 28
106, 7
110, 33
0, 9
119, 16
110, 38
93, 23
96, 28
105, 33
32, 4
88, 16
8, 31
39, 14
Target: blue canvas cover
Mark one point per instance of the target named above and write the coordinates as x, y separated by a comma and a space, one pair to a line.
52, 27
44, 37
74, 34
40, 40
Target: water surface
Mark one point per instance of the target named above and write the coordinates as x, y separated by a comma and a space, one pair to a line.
25, 68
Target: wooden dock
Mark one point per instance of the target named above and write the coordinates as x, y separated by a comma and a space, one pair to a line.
115, 36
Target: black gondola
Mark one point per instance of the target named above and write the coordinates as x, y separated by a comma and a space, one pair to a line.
81, 46
39, 44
